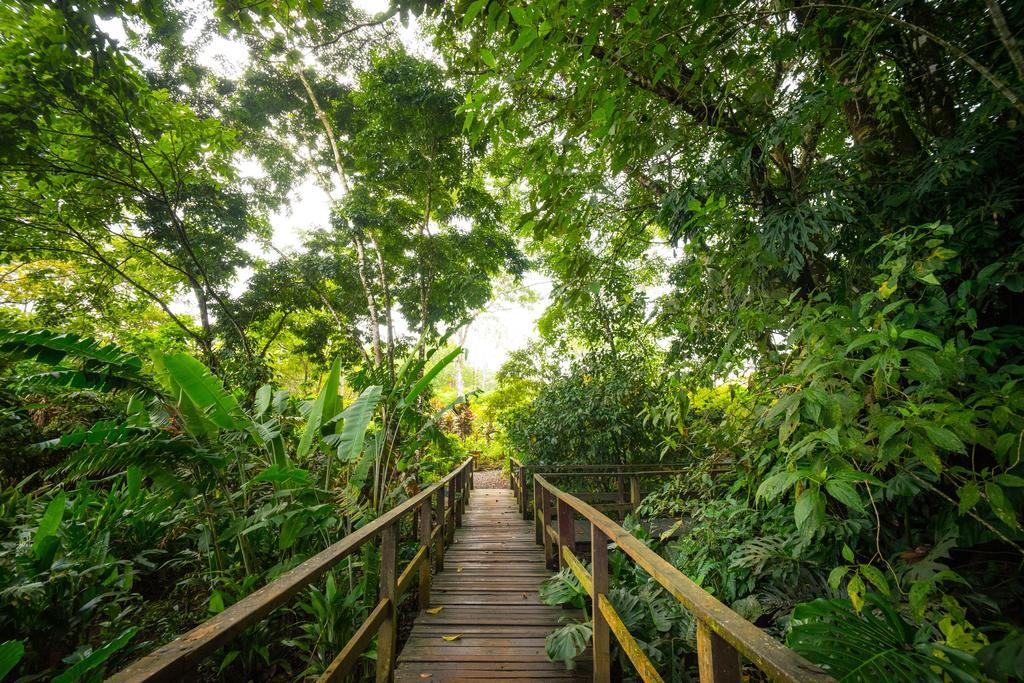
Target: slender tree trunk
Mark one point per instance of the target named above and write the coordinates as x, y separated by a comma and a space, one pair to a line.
385, 285
357, 239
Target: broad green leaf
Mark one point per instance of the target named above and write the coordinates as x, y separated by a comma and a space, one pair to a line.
324, 408
11, 653
203, 390
357, 418
922, 337
809, 511
50, 522
1000, 505
845, 493
943, 438
96, 658
876, 577
263, 396
777, 484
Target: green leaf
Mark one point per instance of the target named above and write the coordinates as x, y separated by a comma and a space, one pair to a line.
488, 58
876, 577
193, 381
969, 495
809, 511
845, 493
943, 438
472, 11
836, 575
922, 337
777, 484
324, 408
11, 653
567, 642
357, 418
847, 553
96, 658
263, 396
50, 522
855, 589
1011, 480
1000, 505
216, 605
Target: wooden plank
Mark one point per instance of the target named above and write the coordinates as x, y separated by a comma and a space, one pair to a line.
426, 541
717, 660
342, 665
566, 531
601, 643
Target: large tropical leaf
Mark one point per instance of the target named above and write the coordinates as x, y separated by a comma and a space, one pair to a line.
874, 645
53, 347
357, 418
11, 653
195, 383
324, 408
96, 658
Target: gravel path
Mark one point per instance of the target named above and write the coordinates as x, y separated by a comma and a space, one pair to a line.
490, 479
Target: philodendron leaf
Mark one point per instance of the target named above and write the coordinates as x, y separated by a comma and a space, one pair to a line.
568, 642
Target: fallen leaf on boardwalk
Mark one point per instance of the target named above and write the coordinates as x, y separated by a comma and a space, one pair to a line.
459, 569
426, 675
435, 610
525, 596
451, 638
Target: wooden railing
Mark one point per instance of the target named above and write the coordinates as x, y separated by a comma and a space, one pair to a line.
723, 636
627, 480
438, 510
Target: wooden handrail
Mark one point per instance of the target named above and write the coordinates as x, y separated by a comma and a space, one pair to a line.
722, 635
173, 661
520, 475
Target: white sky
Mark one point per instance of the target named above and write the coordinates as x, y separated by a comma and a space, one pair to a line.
501, 328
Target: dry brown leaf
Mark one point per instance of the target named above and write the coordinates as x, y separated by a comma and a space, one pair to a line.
426, 675
525, 596
451, 638
459, 569
434, 610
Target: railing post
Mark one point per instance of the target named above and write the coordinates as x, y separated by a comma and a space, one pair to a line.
439, 513
523, 507
717, 660
634, 492
566, 532
622, 495
425, 529
549, 543
601, 637
538, 524
472, 471
450, 507
387, 635
459, 499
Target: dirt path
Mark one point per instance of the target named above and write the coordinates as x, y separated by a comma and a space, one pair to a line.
489, 479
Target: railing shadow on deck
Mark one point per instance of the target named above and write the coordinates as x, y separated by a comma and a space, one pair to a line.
438, 508
724, 638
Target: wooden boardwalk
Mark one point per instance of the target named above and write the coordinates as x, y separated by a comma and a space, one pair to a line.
488, 595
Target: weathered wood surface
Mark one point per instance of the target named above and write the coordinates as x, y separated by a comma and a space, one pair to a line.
489, 597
